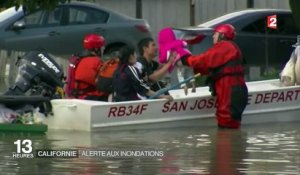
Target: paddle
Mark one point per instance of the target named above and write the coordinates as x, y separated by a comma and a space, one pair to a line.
162, 91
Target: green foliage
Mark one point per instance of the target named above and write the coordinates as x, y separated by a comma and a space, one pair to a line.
294, 5
31, 5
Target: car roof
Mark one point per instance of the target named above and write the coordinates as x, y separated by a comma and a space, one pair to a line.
236, 14
98, 6
11, 11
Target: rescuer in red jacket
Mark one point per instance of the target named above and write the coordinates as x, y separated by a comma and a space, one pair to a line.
223, 63
86, 71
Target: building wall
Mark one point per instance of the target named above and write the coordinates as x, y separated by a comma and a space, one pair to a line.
283, 4
210, 9
127, 7
177, 13
164, 13
158, 13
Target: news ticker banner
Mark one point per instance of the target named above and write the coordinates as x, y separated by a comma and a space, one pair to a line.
24, 149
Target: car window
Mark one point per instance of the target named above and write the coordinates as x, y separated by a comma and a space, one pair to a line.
285, 25
257, 26
221, 19
34, 19
79, 15
53, 18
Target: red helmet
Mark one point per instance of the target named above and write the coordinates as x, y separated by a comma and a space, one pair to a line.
227, 30
93, 41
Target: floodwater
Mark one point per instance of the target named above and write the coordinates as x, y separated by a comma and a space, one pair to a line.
254, 149
271, 149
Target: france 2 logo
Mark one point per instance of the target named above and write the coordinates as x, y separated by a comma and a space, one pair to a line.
272, 21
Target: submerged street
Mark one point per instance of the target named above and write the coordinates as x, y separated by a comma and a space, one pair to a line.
272, 148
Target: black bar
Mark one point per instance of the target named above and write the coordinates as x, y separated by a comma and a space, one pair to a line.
192, 12
250, 3
139, 9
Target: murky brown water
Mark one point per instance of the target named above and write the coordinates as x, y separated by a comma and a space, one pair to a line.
255, 149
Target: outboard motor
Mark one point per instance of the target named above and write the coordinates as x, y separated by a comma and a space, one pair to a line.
38, 75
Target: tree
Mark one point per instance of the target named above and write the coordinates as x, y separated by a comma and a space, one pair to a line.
294, 5
31, 5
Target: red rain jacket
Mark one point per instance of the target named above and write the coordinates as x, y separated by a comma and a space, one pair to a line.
223, 63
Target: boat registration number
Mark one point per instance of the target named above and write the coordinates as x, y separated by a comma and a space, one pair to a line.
131, 110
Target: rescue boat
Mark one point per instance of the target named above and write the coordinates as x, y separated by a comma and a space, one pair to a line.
268, 101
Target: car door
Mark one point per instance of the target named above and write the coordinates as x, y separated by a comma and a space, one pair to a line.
37, 33
79, 22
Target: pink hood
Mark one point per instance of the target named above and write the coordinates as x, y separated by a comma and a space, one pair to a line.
167, 42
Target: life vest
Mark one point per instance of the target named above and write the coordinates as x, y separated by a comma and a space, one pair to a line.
105, 74
81, 76
70, 86
85, 77
231, 68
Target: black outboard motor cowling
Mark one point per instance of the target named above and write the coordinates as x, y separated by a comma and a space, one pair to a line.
38, 74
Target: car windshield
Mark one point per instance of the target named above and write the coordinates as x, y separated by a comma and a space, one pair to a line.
216, 21
8, 13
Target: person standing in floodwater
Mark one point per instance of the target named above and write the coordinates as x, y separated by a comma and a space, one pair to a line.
223, 63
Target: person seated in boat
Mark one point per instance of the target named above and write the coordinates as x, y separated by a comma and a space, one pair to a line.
127, 82
223, 63
151, 71
87, 69
290, 75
